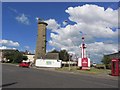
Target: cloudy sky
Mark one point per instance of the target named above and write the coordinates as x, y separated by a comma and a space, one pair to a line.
98, 22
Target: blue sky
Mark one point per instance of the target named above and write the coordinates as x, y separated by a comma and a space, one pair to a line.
19, 26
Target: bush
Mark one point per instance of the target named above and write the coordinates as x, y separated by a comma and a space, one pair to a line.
108, 66
100, 66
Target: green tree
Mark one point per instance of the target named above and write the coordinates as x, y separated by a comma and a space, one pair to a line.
14, 56
63, 55
106, 60
24, 57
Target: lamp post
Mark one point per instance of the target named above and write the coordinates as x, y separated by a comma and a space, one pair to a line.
76, 57
69, 62
70, 55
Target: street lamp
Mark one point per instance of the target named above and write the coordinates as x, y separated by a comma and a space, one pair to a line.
70, 55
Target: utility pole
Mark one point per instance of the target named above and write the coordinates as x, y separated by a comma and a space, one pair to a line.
69, 62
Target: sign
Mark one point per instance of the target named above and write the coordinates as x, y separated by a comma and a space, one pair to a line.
48, 63
84, 62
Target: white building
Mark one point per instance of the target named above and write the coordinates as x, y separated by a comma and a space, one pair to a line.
30, 57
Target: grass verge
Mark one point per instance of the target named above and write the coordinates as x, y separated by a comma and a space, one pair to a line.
93, 70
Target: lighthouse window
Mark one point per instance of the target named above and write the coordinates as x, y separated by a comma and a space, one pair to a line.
43, 48
45, 40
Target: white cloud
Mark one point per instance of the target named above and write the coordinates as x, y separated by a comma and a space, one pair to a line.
98, 49
27, 47
23, 19
95, 22
102, 48
97, 31
52, 24
13, 10
4, 47
93, 14
9, 43
50, 50
64, 23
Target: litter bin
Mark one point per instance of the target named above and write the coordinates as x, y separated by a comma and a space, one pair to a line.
115, 67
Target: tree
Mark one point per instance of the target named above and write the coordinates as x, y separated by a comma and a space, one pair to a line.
63, 55
18, 57
13, 56
24, 57
106, 60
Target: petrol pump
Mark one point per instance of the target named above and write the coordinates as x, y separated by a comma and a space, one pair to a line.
115, 67
84, 61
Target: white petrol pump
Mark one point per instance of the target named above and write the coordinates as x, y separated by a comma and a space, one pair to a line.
84, 61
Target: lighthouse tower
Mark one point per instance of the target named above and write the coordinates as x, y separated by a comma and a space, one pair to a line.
41, 40
83, 61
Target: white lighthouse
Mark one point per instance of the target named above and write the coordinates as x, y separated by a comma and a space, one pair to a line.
83, 61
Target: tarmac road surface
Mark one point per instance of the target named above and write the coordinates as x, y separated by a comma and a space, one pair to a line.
18, 77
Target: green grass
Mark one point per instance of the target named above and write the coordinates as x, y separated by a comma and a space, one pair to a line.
12, 63
96, 71
91, 71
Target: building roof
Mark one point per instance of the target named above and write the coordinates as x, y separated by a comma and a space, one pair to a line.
52, 56
114, 55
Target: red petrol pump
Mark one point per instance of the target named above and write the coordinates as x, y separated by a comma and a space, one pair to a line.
115, 67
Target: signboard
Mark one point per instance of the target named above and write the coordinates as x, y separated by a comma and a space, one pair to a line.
48, 63
84, 62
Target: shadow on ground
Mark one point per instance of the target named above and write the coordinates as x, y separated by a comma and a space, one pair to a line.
8, 84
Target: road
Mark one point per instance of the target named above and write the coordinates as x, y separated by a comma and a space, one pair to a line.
17, 77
